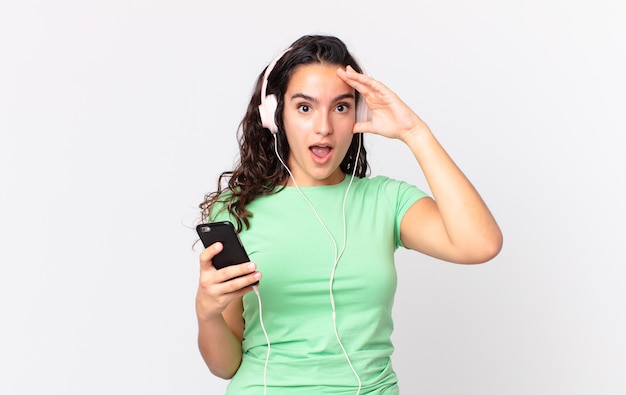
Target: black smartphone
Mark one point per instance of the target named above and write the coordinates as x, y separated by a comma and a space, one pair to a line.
233, 252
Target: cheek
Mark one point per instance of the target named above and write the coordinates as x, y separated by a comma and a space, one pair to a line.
296, 125
344, 125
344, 145
345, 134
295, 134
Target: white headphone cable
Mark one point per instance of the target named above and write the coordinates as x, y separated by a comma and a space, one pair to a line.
337, 255
267, 356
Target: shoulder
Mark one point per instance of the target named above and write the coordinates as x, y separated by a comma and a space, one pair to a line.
390, 187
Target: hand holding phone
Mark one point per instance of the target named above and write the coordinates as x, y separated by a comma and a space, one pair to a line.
233, 252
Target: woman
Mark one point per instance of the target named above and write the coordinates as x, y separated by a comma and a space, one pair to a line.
324, 234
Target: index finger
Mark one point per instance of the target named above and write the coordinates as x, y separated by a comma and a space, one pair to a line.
358, 81
374, 92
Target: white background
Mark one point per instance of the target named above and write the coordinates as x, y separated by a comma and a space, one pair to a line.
117, 116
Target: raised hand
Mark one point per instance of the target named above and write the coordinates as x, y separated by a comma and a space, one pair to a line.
391, 117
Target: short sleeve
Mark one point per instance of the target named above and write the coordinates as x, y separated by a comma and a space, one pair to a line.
402, 196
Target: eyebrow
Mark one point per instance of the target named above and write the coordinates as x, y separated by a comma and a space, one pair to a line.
314, 100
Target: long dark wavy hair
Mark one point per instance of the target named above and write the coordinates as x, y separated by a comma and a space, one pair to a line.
258, 171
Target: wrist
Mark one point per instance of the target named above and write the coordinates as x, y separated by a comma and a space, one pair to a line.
210, 319
418, 134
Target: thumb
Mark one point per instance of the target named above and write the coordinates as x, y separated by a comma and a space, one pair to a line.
206, 257
362, 127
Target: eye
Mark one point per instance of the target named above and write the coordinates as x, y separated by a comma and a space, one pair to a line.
343, 107
304, 108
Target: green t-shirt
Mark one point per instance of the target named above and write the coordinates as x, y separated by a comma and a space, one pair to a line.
295, 255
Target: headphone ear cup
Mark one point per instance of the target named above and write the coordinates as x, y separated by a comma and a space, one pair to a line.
363, 113
267, 111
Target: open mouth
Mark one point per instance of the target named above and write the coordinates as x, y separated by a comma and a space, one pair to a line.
320, 151
321, 154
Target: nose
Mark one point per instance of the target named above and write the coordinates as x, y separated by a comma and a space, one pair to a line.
323, 125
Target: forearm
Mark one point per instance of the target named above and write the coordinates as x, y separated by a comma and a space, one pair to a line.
468, 223
219, 347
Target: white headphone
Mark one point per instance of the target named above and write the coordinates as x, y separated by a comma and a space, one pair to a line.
269, 103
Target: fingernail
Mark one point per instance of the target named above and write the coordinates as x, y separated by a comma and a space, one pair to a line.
251, 266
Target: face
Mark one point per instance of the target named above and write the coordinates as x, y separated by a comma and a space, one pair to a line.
318, 117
